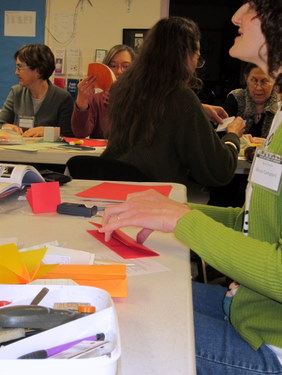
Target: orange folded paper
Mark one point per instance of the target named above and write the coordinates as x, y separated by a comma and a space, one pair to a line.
21, 267
104, 75
111, 278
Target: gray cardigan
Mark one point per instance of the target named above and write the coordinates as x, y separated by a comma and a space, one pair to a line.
55, 110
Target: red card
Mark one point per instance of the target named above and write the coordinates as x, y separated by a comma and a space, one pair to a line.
122, 244
119, 192
44, 197
88, 142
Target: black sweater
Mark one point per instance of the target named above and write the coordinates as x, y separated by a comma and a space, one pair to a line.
185, 146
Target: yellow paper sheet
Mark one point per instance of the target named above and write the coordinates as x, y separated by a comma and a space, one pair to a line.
21, 267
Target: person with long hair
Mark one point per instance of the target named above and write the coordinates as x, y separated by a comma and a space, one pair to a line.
88, 117
238, 330
157, 121
35, 102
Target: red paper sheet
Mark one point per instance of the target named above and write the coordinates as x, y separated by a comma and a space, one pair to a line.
122, 244
88, 142
119, 192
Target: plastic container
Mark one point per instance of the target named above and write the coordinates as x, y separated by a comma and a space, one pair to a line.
104, 320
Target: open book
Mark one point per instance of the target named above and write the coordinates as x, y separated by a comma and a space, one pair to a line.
13, 177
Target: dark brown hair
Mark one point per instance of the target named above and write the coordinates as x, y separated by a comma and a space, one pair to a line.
138, 98
37, 57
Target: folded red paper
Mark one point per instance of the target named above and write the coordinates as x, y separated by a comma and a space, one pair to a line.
44, 197
122, 244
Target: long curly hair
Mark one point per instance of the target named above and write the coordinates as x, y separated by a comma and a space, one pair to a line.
137, 100
270, 14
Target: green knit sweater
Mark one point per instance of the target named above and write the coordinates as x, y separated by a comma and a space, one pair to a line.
254, 261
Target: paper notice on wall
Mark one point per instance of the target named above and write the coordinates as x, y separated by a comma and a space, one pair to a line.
59, 61
20, 23
73, 59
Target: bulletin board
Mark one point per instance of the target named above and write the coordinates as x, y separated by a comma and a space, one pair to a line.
10, 44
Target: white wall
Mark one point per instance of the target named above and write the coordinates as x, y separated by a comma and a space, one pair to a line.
99, 26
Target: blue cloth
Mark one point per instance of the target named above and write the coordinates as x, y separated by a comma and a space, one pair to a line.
220, 350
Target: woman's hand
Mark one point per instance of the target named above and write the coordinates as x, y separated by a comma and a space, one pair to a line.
34, 132
215, 113
237, 126
16, 128
149, 210
86, 88
106, 96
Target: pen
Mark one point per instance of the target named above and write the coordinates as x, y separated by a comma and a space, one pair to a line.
78, 142
45, 353
39, 296
106, 262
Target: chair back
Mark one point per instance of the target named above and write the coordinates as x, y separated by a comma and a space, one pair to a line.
99, 168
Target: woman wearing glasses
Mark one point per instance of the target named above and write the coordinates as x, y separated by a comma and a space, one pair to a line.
88, 118
35, 102
256, 104
158, 123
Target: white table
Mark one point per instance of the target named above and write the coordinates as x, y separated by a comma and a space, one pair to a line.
156, 319
44, 156
59, 156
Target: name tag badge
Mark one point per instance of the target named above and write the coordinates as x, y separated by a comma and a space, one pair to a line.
267, 170
26, 121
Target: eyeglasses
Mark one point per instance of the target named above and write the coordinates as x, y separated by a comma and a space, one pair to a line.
263, 83
20, 68
201, 62
122, 66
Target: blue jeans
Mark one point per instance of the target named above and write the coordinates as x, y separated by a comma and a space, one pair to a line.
220, 350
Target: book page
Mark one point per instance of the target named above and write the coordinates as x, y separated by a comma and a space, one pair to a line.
13, 176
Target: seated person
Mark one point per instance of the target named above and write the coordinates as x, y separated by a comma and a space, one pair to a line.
88, 118
237, 331
158, 123
256, 104
35, 102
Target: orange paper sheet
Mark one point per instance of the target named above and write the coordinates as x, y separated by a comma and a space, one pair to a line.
118, 192
111, 278
21, 267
